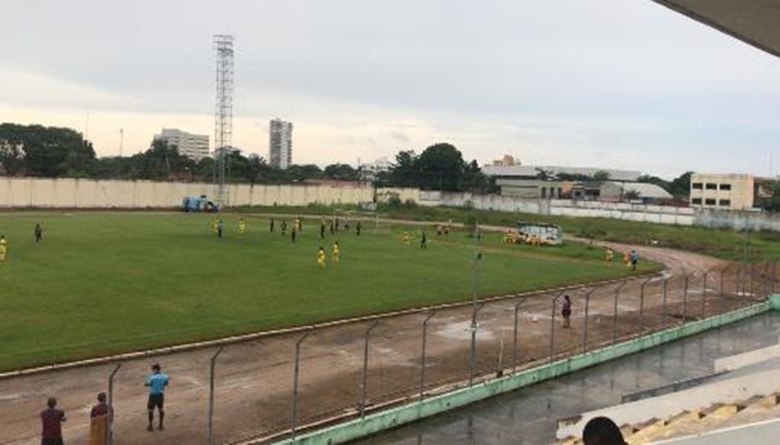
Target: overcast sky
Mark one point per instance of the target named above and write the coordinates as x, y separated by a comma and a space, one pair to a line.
610, 83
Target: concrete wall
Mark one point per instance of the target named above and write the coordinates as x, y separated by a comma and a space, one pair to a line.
682, 216
91, 194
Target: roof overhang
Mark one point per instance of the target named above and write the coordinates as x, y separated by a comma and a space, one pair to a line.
756, 22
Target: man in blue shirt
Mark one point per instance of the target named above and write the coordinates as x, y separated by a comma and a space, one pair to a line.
157, 381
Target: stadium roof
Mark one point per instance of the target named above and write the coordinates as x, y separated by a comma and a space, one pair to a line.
644, 190
752, 21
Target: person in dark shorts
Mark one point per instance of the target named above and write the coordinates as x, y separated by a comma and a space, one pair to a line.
52, 419
38, 232
634, 259
566, 311
357, 228
423, 241
272, 225
156, 382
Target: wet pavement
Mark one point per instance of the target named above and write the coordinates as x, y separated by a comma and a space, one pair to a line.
529, 415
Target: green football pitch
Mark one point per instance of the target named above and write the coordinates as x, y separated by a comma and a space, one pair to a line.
102, 283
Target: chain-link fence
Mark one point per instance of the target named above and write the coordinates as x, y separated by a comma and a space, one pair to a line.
282, 385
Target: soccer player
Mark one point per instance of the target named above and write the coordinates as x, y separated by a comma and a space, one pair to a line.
284, 228
321, 257
214, 223
272, 225
241, 225
423, 241
38, 232
634, 259
52, 419
406, 237
336, 253
322, 229
219, 228
608, 256
156, 382
357, 228
3, 248
293, 234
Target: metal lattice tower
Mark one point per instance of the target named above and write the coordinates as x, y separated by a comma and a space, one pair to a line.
223, 114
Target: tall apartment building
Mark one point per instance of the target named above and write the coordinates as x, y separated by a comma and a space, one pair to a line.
715, 191
193, 146
280, 144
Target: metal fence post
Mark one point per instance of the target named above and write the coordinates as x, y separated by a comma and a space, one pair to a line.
642, 303
752, 279
552, 326
685, 297
110, 418
737, 287
665, 311
473, 352
422, 355
210, 426
364, 377
704, 296
585, 328
515, 333
615, 314
296, 373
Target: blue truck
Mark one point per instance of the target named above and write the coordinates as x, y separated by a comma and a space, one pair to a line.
199, 204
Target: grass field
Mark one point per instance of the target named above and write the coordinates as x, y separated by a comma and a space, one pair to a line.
102, 283
720, 243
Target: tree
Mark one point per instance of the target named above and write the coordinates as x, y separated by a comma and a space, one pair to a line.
341, 172
441, 166
681, 185
601, 175
45, 151
404, 173
647, 179
544, 175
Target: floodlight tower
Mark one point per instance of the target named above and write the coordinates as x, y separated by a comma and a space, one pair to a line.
223, 113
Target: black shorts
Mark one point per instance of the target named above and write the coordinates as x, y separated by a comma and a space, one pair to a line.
566, 313
57, 441
156, 400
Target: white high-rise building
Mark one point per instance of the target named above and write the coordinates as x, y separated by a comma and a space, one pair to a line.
193, 146
280, 144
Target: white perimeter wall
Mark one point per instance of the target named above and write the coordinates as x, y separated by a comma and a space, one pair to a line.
91, 194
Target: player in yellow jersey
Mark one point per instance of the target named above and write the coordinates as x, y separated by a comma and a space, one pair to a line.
321, 257
406, 237
214, 224
335, 254
3, 248
609, 254
241, 225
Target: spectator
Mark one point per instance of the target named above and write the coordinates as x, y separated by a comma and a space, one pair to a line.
52, 419
602, 431
98, 421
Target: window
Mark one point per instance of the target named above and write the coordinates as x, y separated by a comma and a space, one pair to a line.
696, 201
544, 192
725, 203
725, 186
696, 186
711, 186
709, 201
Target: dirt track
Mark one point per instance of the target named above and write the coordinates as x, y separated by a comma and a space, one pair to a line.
254, 379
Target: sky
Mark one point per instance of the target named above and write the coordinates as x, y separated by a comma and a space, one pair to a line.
624, 84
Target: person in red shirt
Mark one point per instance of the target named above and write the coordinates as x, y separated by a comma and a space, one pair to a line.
52, 419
